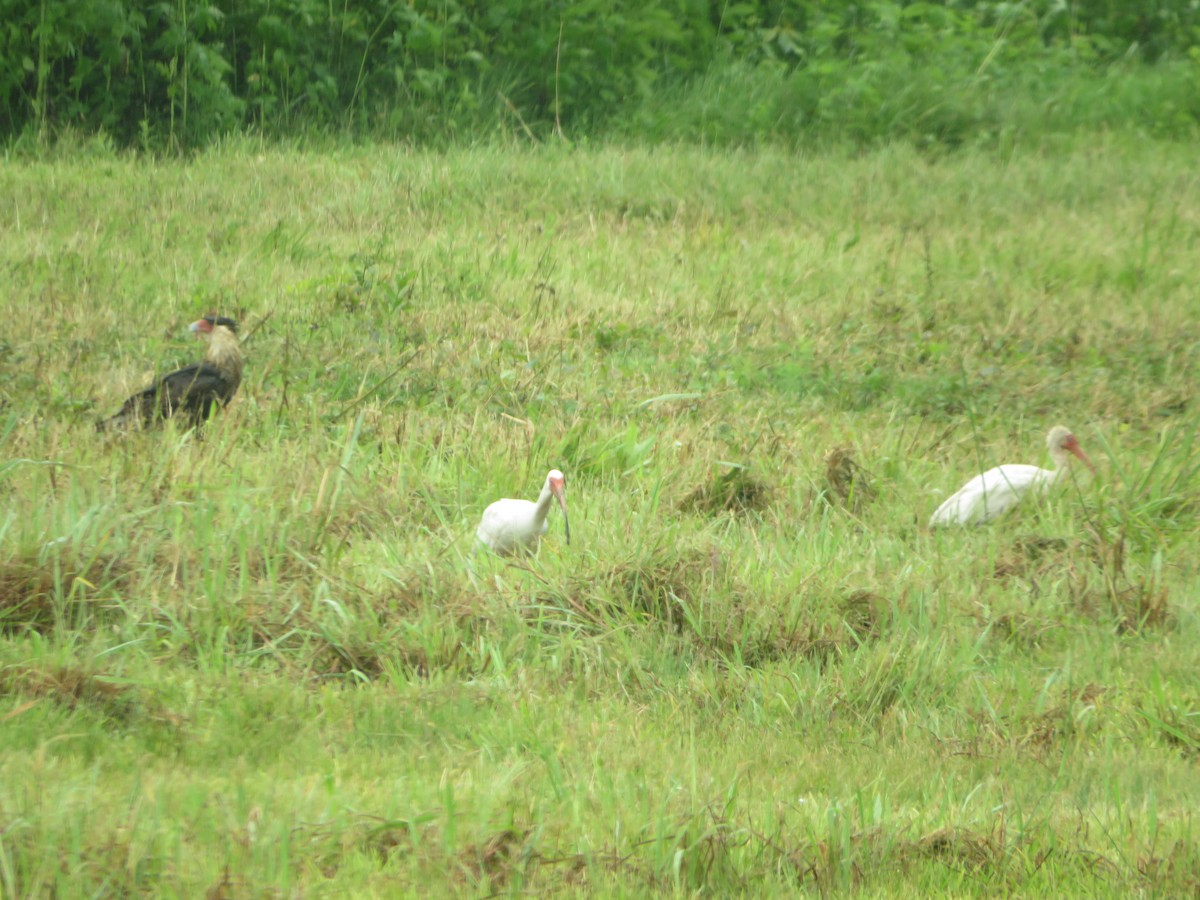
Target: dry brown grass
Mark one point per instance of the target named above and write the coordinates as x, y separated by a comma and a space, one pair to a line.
73, 688
735, 490
847, 482
37, 596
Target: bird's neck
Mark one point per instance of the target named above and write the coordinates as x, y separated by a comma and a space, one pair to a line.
542, 508
1062, 459
225, 353
1049, 478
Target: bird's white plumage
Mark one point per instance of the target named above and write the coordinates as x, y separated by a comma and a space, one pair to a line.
998, 490
509, 526
993, 493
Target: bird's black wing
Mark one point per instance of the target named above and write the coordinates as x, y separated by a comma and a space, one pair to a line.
192, 391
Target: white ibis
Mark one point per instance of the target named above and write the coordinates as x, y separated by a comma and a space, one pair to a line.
998, 490
510, 526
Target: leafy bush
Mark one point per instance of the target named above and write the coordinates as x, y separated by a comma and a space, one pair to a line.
177, 73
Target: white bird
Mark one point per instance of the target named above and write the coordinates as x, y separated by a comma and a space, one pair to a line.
510, 526
998, 490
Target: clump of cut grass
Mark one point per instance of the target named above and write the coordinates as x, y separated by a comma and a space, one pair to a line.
1018, 627
330, 841
758, 648
409, 625
739, 635
964, 848
847, 482
864, 613
364, 661
72, 687
844, 860
1041, 731
388, 839
42, 594
735, 490
1046, 731
364, 641
664, 585
496, 860
1030, 556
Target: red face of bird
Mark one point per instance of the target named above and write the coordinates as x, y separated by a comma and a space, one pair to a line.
208, 323
558, 487
1062, 440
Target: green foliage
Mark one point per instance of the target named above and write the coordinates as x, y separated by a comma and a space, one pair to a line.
179, 73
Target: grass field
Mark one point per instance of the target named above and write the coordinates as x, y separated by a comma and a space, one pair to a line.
265, 662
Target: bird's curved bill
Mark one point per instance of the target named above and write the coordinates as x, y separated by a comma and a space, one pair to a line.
1083, 457
562, 504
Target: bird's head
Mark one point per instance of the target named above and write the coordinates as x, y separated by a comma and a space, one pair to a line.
207, 324
1060, 442
558, 487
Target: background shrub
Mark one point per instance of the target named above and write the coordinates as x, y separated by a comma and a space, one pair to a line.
179, 73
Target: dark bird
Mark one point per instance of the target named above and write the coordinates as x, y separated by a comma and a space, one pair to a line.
194, 390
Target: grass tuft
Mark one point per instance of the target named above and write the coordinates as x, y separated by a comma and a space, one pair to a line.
41, 594
847, 482
503, 855
73, 688
735, 490
664, 586
963, 848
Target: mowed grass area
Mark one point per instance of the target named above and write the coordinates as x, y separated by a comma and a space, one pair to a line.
265, 662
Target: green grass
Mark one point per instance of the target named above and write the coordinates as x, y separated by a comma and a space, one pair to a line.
265, 662
940, 97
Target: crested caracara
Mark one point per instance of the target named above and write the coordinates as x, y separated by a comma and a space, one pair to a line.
194, 390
